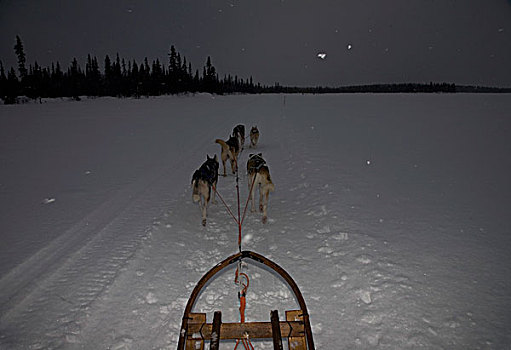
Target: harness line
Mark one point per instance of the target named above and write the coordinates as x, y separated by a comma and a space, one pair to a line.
225, 204
239, 221
238, 198
243, 287
248, 199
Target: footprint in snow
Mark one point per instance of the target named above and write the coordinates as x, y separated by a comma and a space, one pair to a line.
364, 259
325, 229
321, 212
365, 296
341, 236
337, 284
151, 298
372, 318
340, 282
327, 250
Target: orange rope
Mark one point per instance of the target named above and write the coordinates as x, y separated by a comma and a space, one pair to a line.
246, 344
243, 304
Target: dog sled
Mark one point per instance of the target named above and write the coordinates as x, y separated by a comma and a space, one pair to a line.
196, 331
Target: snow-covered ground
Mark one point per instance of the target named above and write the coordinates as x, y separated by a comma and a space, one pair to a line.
391, 212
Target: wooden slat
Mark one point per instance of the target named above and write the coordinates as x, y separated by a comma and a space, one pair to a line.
254, 330
275, 330
216, 331
296, 342
195, 322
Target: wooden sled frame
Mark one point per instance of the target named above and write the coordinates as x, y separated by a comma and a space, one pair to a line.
297, 328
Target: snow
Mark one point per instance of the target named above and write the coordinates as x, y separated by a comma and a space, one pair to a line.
390, 212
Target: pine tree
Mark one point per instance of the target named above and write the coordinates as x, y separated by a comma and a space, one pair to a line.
157, 79
13, 87
134, 79
18, 49
124, 71
3, 81
173, 71
75, 80
210, 77
172, 60
117, 66
92, 76
56, 81
108, 67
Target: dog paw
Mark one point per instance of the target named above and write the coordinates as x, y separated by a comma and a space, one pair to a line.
265, 219
260, 207
203, 222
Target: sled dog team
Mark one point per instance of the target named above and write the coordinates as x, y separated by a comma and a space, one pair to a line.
205, 179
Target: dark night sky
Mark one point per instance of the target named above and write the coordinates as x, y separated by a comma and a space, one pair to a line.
365, 41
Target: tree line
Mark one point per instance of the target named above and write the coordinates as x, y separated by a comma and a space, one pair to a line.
389, 88
127, 78
373, 88
120, 77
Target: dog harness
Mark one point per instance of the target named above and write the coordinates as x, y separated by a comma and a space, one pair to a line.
257, 162
207, 172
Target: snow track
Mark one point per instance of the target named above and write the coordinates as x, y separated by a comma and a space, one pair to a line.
75, 269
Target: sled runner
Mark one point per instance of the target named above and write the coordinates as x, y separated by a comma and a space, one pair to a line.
195, 331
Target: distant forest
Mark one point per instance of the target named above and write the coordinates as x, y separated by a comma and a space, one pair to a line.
123, 78
119, 78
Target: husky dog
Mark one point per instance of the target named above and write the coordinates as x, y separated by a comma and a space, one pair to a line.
259, 174
202, 180
254, 136
239, 133
230, 150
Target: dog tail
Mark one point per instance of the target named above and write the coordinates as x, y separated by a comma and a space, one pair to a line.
222, 143
269, 185
195, 193
225, 147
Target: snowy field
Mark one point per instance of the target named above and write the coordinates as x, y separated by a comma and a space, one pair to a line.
391, 212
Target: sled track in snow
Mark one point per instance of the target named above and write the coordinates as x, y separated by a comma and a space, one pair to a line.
66, 277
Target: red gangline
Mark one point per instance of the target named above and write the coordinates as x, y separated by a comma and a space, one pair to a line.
248, 199
238, 197
238, 221
225, 204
